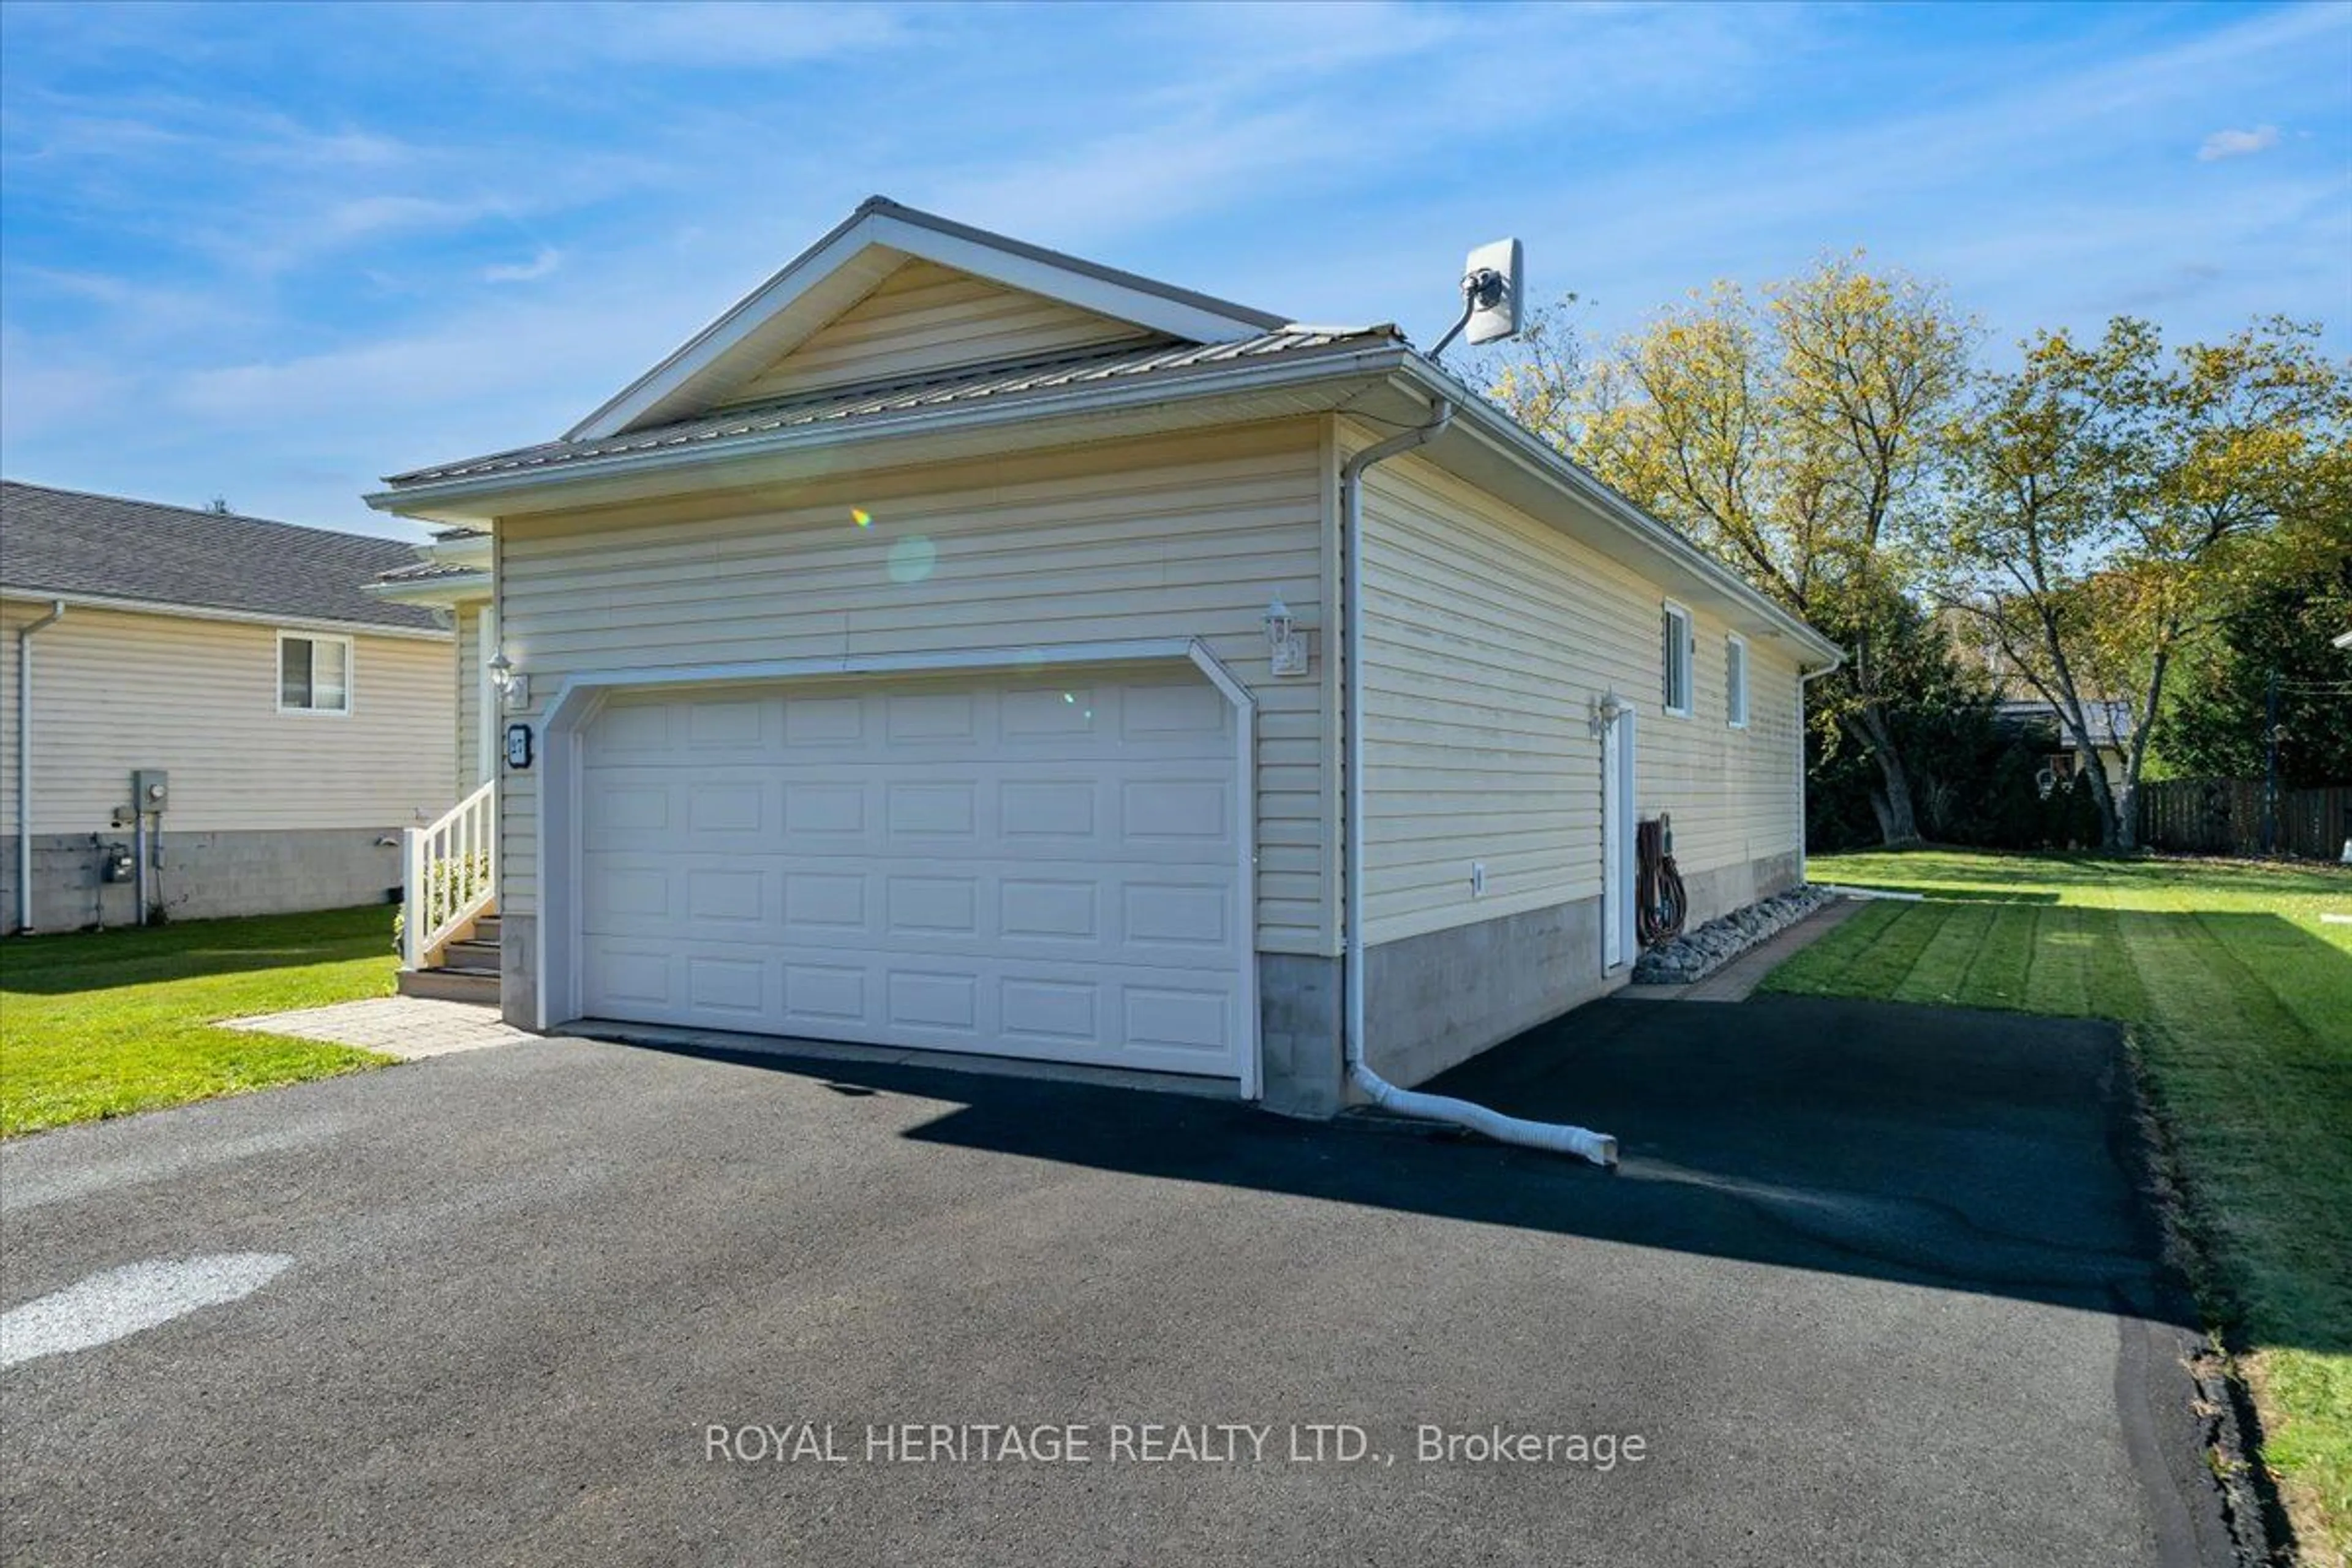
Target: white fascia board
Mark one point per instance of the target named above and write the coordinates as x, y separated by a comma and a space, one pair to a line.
1228, 378
241, 617
444, 591
1508, 438
805, 275
739, 322
473, 551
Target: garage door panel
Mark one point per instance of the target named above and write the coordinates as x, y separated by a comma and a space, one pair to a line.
1044, 868
1157, 713
730, 725
1177, 1017
1066, 913
932, 999
934, 809
1158, 810
1048, 808
740, 987
825, 998
1156, 913
930, 716
830, 810
821, 902
930, 907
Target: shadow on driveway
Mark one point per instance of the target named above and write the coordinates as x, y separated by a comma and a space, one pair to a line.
1981, 1152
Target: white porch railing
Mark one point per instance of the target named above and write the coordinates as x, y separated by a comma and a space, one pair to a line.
452, 874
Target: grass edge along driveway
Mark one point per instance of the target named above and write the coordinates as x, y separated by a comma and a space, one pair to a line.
102, 1023
2238, 1001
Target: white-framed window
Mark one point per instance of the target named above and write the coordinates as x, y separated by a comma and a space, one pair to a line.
1735, 680
1675, 658
314, 673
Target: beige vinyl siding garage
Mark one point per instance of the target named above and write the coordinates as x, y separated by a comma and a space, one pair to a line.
923, 319
114, 691
1489, 638
468, 619
1176, 537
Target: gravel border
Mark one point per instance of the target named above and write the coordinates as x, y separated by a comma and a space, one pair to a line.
1696, 954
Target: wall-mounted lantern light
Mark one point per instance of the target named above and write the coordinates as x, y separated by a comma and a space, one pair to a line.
1285, 644
513, 686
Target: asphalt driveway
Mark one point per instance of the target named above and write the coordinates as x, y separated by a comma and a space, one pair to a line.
1874, 1284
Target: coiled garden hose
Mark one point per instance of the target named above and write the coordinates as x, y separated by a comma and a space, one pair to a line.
1659, 901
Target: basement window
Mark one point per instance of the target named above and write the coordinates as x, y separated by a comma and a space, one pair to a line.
1674, 637
314, 673
1735, 680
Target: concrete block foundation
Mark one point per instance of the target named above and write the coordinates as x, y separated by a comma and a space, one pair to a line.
1302, 1054
1729, 888
1436, 1000
205, 876
518, 970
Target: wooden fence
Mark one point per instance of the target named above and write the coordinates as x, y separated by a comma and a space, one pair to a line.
2224, 817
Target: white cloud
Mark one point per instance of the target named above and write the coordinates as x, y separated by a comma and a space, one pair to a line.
2237, 144
548, 259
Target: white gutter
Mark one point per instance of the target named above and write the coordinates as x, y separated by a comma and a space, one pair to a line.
443, 591
1597, 1147
238, 618
1145, 392
25, 760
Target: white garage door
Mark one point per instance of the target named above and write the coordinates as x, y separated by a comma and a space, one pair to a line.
1018, 867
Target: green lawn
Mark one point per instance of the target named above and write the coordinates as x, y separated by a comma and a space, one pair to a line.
105, 1023
2238, 1004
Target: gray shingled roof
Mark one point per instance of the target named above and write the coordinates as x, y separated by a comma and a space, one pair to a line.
1121, 363
75, 543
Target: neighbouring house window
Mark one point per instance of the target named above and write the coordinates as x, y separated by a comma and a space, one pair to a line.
1675, 636
1735, 681
314, 674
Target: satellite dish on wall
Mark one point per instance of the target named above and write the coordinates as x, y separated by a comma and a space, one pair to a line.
1494, 291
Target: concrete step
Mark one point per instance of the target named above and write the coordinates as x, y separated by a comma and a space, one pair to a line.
487, 929
451, 985
474, 954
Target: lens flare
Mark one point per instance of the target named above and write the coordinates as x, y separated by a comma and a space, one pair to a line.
861, 517
911, 560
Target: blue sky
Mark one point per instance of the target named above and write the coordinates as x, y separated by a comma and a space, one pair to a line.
274, 253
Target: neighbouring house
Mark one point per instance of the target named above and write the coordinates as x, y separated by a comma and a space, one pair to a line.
951, 647
2020, 710
219, 688
2107, 720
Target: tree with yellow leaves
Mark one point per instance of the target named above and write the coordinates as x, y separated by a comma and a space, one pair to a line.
1794, 439
2105, 504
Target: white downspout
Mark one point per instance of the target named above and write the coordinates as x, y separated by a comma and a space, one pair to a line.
1804, 866
25, 760
1597, 1147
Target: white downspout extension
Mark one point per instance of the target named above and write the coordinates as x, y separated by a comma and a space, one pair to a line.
25, 760
1597, 1147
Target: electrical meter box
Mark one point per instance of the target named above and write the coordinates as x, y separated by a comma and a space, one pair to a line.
150, 789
